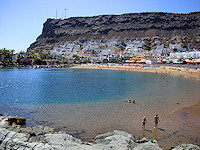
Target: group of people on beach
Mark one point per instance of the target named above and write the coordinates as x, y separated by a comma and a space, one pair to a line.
144, 122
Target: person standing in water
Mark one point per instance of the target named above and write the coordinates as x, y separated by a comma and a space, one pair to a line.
144, 121
156, 119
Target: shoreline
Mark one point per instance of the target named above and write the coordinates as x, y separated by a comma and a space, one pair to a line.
176, 123
191, 114
173, 123
187, 122
186, 130
39, 66
162, 69
15, 136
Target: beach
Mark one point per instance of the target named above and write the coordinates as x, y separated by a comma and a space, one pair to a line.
162, 69
88, 102
180, 125
176, 126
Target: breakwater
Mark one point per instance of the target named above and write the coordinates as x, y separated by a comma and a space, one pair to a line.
8, 65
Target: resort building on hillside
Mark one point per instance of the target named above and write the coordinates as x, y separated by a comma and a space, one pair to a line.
174, 46
184, 55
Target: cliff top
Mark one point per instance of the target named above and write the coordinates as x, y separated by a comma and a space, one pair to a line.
121, 27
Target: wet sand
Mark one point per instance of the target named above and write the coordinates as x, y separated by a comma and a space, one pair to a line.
180, 126
175, 71
177, 125
191, 114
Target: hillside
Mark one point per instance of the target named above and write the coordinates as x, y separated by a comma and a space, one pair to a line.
167, 27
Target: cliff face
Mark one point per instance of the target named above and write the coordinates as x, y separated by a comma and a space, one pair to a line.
165, 26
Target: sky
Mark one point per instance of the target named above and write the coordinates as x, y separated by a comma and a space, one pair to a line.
21, 21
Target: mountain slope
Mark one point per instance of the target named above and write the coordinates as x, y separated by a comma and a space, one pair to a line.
167, 27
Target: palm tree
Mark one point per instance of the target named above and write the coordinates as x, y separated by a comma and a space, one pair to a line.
6, 53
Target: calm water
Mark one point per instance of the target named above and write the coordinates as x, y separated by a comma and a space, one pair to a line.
90, 100
66, 86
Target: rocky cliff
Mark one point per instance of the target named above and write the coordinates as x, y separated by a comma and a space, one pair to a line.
167, 27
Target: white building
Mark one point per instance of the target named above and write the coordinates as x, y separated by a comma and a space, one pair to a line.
108, 54
174, 46
185, 55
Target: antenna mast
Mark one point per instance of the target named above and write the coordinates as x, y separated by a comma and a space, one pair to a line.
65, 12
56, 13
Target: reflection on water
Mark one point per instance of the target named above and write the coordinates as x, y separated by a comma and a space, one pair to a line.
155, 133
143, 132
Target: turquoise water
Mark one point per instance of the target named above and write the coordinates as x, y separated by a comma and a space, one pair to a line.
77, 99
64, 86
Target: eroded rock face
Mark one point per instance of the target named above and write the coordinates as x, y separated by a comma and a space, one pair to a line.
164, 26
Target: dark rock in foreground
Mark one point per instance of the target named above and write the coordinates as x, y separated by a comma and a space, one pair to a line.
16, 121
44, 137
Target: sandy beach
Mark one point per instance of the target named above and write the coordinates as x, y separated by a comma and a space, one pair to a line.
181, 125
167, 70
175, 127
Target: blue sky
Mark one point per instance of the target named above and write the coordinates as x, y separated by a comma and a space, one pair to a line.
21, 21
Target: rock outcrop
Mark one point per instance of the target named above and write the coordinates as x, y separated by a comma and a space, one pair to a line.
167, 27
112, 140
186, 147
43, 137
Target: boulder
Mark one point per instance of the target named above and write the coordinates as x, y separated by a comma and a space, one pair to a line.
114, 140
187, 147
16, 121
147, 146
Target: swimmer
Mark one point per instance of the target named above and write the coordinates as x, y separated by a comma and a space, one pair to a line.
129, 101
133, 101
144, 121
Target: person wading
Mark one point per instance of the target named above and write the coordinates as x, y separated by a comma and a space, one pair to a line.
156, 119
144, 121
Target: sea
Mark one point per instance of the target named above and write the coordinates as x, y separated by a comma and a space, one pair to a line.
87, 102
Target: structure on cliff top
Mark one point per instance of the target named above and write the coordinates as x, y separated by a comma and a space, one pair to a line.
167, 27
